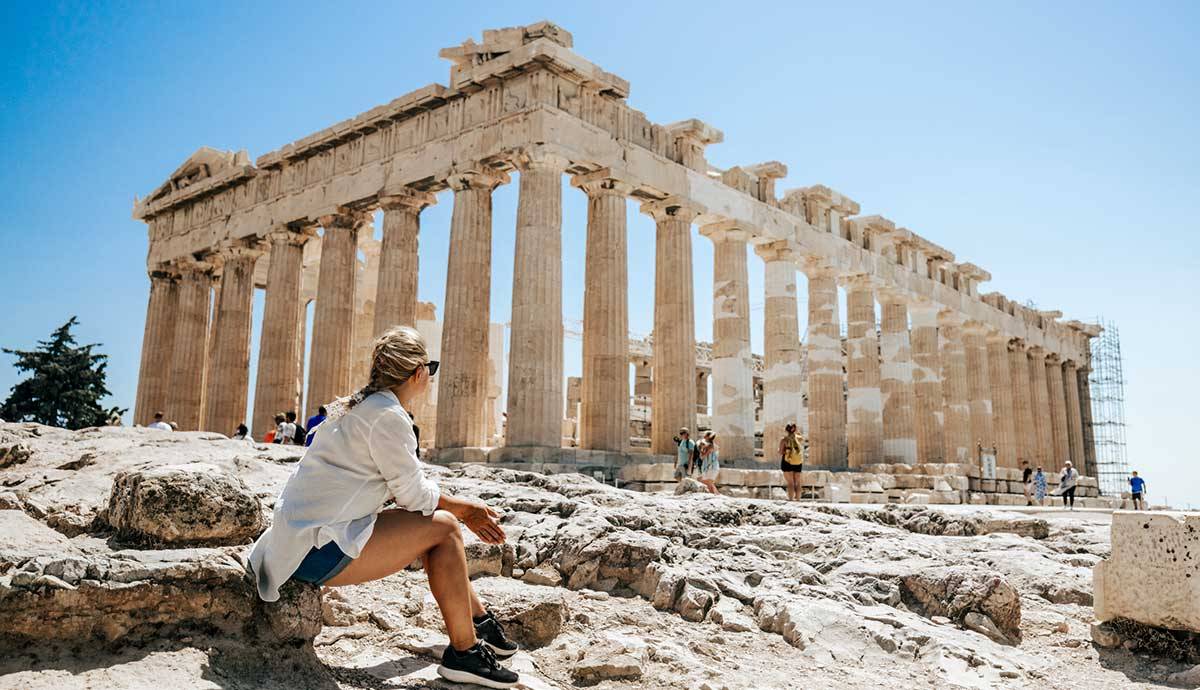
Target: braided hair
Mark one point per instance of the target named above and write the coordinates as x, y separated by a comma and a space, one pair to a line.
396, 356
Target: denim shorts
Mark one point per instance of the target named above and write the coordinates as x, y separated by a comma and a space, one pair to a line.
322, 565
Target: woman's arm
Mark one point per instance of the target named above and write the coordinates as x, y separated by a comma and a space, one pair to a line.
476, 515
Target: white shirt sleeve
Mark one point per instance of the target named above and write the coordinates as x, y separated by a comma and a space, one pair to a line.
393, 447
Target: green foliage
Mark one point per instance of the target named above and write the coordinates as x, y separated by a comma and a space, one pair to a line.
65, 384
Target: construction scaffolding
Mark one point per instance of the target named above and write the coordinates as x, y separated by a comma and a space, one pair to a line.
1107, 428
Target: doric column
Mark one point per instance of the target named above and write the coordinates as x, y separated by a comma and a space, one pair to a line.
1085, 418
782, 384
927, 383
333, 316
462, 390
154, 375
960, 447
190, 343
1000, 378
1043, 449
674, 323
366, 286
896, 380
604, 390
732, 362
229, 379
535, 362
396, 295
826, 399
979, 388
1022, 393
1074, 419
864, 402
1058, 411
281, 343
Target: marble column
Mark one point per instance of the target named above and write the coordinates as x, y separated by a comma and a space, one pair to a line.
960, 447
365, 289
1022, 394
229, 378
333, 316
702, 377
979, 387
927, 383
462, 390
896, 380
535, 361
732, 362
674, 323
154, 375
1058, 411
782, 383
864, 402
1085, 418
826, 397
190, 344
281, 343
1000, 378
1043, 450
396, 294
1074, 419
604, 390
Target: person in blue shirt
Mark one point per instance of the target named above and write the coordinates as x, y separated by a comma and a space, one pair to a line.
1137, 490
683, 462
313, 422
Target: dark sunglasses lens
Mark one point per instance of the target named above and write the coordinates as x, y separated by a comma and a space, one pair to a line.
433, 366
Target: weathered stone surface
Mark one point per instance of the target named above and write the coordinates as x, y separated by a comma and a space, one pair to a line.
957, 591
188, 504
1151, 576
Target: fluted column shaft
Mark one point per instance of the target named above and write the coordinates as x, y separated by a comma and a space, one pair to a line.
462, 391
535, 362
864, 402
1022, 393
333, 316
1058, 411
896, 380
782, 384
190, 344
960, 447
396, 294
277, 384
229, 379
674, 324
732, 363
927, 384
826, 398
1000, 378
154, 375
1040, 398
366, 287
1085, 418
1074, 419
979, 388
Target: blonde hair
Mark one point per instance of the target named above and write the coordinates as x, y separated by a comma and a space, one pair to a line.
395, 358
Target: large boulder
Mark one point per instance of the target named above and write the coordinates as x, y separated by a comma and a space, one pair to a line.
958, 591
191, 504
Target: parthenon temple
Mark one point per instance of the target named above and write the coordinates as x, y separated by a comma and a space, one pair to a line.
945, 372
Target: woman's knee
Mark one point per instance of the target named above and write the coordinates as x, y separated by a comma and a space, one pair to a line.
447, 525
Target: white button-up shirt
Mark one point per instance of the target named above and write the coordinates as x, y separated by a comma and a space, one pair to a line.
354, 465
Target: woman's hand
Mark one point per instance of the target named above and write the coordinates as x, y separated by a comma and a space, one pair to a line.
477, 516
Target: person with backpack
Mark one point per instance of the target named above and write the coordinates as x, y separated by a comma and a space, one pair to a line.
791, 460
685, 449
709, 465
298, 436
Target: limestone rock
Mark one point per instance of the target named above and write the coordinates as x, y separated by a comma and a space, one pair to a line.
188, 504
687, 485
607, 660
955, 591
532, 616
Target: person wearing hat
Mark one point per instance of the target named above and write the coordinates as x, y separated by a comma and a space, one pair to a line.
686, 448
1066, 484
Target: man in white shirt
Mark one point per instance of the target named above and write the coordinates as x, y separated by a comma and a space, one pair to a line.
159, 423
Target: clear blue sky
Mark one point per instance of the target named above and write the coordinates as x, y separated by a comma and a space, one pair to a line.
1054, 144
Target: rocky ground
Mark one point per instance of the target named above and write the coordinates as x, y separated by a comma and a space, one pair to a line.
120, 567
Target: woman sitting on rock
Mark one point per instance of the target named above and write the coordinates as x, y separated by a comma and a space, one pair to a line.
330, 529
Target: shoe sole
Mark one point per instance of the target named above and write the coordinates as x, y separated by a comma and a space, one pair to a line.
501, 653
467, 677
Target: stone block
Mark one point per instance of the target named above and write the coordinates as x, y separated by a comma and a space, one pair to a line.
865, 483
860, 497
917, 497
644, 473
1151, 576
914, 481
976, 499
191, 504
1010, 500
987, 485
451, 456
815, 477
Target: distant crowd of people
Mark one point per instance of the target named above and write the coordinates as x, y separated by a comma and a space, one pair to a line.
701, 460
287, 430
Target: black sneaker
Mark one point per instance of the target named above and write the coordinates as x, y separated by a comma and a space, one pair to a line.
491, 633
476, 665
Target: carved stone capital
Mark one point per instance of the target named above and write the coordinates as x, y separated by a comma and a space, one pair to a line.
406, 199
726, 231
1053, 358
540, 157
476, 179
294, 234
949, 318
973, 327
857, 281
188, 267
602, 182
345, 220
672, 208
779, 250
1017, 345
815, 268
893, 296
1036, 352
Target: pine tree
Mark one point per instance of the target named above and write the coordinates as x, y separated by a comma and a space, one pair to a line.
65, 385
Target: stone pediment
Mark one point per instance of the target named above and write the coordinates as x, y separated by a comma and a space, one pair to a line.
203, 166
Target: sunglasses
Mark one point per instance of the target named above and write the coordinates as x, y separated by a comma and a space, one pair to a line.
433, 365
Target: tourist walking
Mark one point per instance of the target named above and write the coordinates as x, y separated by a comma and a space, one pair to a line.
159, 424
1066, 484
710, 465
312, 424
1039, 486
791, 460
330, 528
242, 433
684, 450
1137, 491
1027, 481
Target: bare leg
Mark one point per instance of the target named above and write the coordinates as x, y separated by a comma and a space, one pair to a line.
401, 537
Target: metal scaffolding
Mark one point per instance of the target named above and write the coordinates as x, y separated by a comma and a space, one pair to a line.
1107, 428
